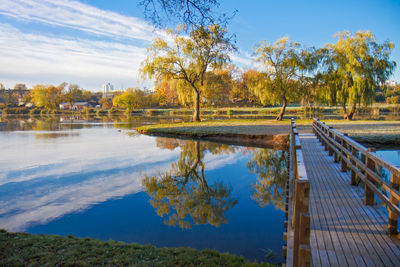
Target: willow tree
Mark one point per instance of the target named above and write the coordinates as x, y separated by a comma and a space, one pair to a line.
353, 68
285, 65
188, 58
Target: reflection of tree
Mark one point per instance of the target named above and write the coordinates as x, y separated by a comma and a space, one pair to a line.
183, 194
271, 168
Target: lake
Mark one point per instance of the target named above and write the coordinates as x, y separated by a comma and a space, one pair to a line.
103, 180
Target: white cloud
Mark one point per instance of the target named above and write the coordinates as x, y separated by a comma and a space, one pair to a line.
34, 58
76, 15
41, 57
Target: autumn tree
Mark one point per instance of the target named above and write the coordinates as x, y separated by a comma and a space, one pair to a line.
105, 103
47, 96
73, 94
130, 99
285, 65
188, 58
241, 92
217, 86
392, 94
183, 194
353, 68
166, 92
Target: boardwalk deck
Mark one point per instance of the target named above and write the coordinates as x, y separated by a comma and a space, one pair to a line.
344, 231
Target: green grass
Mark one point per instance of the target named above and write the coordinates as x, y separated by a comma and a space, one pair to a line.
22, 249
364, 131
219, 127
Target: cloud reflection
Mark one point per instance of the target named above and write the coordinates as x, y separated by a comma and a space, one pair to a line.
41, 181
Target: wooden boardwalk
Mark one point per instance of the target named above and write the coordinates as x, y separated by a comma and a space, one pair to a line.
344, 231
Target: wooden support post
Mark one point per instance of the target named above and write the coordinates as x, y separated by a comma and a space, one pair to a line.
393, 219
336, 155
305, 256
301, 203
368, 193
352, 172
330, 150
343, 165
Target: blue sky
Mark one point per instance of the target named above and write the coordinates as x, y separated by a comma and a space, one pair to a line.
90, 42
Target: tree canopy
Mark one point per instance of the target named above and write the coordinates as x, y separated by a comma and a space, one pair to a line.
284, 65
187, 59
353, 68
47, 96
130, 99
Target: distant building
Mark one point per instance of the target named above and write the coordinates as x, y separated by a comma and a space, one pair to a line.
391, 83
75, 106
108, 89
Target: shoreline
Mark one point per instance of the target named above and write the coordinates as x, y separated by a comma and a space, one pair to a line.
272, 134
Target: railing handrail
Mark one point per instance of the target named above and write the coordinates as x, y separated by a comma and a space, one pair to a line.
361, 148
298, 252
346, 149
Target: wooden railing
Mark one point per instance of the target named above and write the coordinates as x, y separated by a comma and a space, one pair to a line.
297, 251
364, 166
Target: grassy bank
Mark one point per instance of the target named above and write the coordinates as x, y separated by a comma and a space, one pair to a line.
250, 132
369, 132
22, 249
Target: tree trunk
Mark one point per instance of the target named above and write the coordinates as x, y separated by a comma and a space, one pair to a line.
280, 116
349, 116
345, 114
352, 112
196, 115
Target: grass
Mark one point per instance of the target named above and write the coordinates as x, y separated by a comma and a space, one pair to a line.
364, 131
22, 249
219, 127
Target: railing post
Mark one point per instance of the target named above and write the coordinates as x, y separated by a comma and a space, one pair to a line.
336, 155
368, 193
352, 172
330, 150
300, 227
343, 165
393, 219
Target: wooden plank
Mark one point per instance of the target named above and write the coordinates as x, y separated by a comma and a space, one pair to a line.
353, 258
396, 248
347, 207
342, 215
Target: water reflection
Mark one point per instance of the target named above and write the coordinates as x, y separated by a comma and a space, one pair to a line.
271, 169
90, 183
182, 194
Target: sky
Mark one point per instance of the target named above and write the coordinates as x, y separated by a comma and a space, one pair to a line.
91, 42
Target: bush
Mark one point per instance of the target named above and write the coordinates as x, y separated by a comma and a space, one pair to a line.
113, 111
101, 112
16, 111
220, 112
34, 111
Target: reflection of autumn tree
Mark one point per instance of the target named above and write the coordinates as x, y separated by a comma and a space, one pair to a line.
271, 168
183, 194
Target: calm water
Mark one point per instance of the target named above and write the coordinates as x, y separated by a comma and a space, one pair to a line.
102, 180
